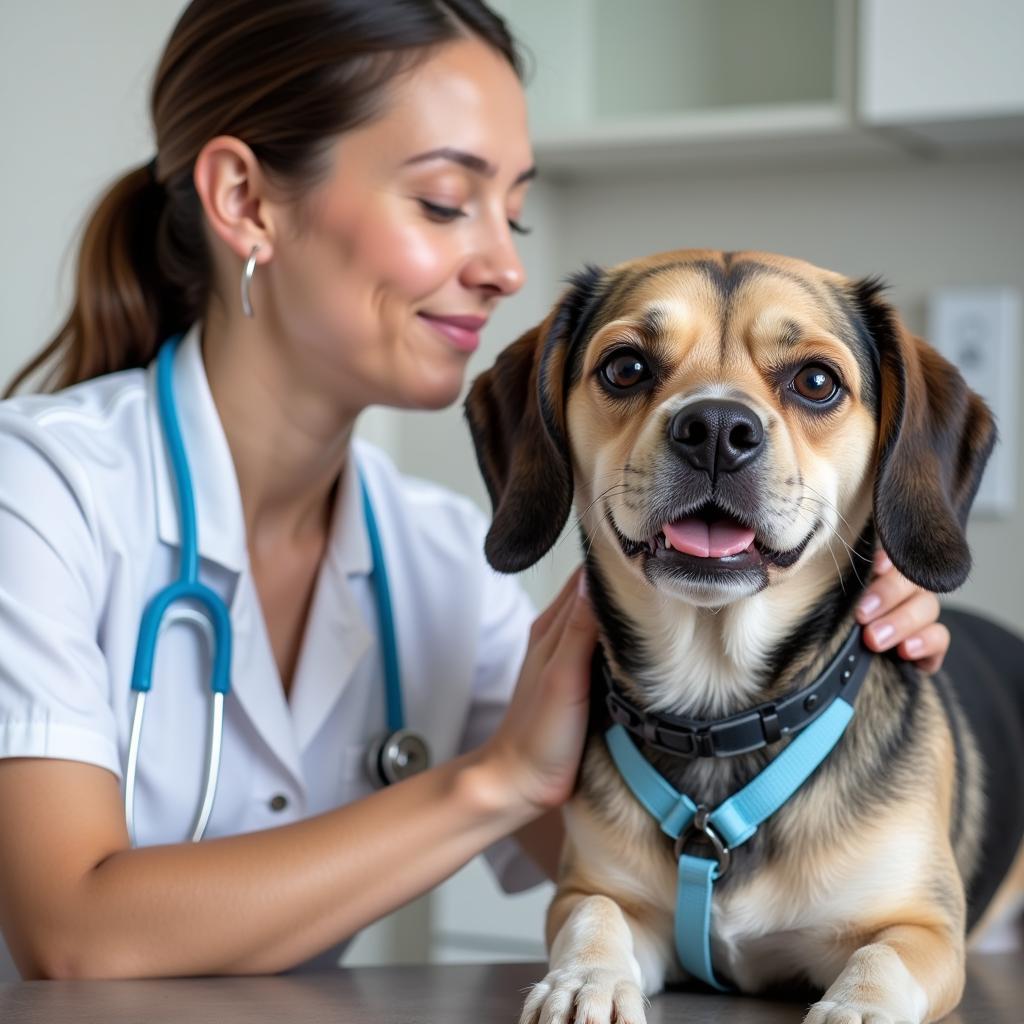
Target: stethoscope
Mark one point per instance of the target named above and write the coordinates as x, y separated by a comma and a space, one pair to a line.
391, 758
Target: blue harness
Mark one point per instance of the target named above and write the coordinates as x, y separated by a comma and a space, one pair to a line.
735, 820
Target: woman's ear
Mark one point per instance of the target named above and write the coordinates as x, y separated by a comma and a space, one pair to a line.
516, 414
934, 437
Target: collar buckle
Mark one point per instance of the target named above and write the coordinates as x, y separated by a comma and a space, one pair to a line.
701, 824
703, 743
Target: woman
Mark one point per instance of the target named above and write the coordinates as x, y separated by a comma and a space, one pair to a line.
361, 167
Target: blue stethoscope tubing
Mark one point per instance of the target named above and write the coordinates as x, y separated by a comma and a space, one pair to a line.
187, 599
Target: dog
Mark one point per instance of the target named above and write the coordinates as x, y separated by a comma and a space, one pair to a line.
738, 431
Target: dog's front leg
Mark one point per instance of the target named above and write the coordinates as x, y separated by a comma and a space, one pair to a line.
594, 975
909, 974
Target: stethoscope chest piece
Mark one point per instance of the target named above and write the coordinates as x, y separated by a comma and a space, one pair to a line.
397, 756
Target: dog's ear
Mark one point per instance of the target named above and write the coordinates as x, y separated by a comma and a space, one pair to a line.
935, 436
516, 414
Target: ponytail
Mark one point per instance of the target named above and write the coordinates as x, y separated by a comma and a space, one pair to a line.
123, 305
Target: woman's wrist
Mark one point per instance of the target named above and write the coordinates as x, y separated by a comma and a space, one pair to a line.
486, 783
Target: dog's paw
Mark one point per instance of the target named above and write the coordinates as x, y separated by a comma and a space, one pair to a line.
830, 1012
588, 995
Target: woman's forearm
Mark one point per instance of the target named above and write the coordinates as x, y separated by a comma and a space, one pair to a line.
266, 901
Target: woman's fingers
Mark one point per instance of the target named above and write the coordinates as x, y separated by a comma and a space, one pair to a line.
562, 600
575, 645
883, 563
887, 590
540, 740
897, 613
927, 647
903, 622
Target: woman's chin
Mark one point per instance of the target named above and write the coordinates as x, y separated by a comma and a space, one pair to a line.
434, 392
441, 398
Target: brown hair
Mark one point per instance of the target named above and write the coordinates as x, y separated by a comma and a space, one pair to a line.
284, 76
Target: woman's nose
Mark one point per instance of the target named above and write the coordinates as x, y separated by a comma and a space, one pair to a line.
495, 265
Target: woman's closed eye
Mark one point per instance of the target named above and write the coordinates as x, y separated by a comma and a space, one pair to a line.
446, 214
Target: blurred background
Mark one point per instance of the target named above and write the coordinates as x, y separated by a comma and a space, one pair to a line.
868, 136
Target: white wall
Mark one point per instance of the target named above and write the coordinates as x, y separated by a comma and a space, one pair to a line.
74, 84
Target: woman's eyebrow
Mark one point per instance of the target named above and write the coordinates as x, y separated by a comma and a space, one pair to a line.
470, 161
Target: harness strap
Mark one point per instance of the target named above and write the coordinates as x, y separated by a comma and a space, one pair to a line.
731, 824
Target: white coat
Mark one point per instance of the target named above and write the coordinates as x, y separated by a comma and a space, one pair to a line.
89, 532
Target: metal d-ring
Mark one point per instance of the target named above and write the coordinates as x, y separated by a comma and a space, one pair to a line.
701, 824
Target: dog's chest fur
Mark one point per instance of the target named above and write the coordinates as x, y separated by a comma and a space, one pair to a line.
793, 887
825, 859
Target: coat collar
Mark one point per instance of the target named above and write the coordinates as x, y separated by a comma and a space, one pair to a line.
220, 523
220, 526
337, 636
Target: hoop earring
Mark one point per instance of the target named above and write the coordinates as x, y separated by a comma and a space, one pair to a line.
250, 268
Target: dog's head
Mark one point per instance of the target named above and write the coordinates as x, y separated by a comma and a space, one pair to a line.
720, 418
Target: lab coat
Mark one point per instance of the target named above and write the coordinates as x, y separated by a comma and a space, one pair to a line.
89, 532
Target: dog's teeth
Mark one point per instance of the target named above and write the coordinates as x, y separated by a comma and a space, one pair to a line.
664, 539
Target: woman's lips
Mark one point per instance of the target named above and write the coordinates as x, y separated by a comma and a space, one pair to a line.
462, 331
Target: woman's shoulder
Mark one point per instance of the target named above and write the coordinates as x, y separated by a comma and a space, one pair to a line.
68, 441
85, 413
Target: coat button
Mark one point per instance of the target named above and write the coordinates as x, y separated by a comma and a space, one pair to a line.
279, 802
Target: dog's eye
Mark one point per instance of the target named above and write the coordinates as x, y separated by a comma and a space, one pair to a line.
625, 369
815, 383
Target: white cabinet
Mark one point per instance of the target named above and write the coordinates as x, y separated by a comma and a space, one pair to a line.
615, 85
944, 71
606, 62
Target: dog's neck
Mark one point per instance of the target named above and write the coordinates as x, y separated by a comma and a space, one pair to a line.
708, 663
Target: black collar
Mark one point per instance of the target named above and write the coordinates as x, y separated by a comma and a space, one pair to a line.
748, 730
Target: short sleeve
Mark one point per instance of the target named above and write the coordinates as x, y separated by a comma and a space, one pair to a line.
54, 685
506, 616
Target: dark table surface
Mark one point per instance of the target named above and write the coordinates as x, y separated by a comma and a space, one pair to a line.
440, 994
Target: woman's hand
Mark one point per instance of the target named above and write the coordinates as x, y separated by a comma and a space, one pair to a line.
896, 613
537, 748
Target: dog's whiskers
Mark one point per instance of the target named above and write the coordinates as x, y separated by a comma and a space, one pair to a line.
606, 514
617, 473
839, 572
578, 519
592, 538
853, 554
831, 504
850, 551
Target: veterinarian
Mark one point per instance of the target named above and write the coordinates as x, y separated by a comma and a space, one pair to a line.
220, 615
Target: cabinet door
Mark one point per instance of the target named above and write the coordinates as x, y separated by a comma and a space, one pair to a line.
929, 63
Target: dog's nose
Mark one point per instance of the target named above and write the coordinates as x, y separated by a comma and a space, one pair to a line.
716, 435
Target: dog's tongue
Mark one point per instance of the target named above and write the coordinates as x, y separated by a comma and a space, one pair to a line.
709, 540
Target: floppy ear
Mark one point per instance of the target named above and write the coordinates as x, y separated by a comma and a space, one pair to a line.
516, 414
935, 436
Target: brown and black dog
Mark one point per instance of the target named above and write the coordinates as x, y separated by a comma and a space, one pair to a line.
738, 431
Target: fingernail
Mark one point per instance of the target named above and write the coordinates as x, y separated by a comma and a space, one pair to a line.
914, 646
882, 632
869, 603
581, 585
